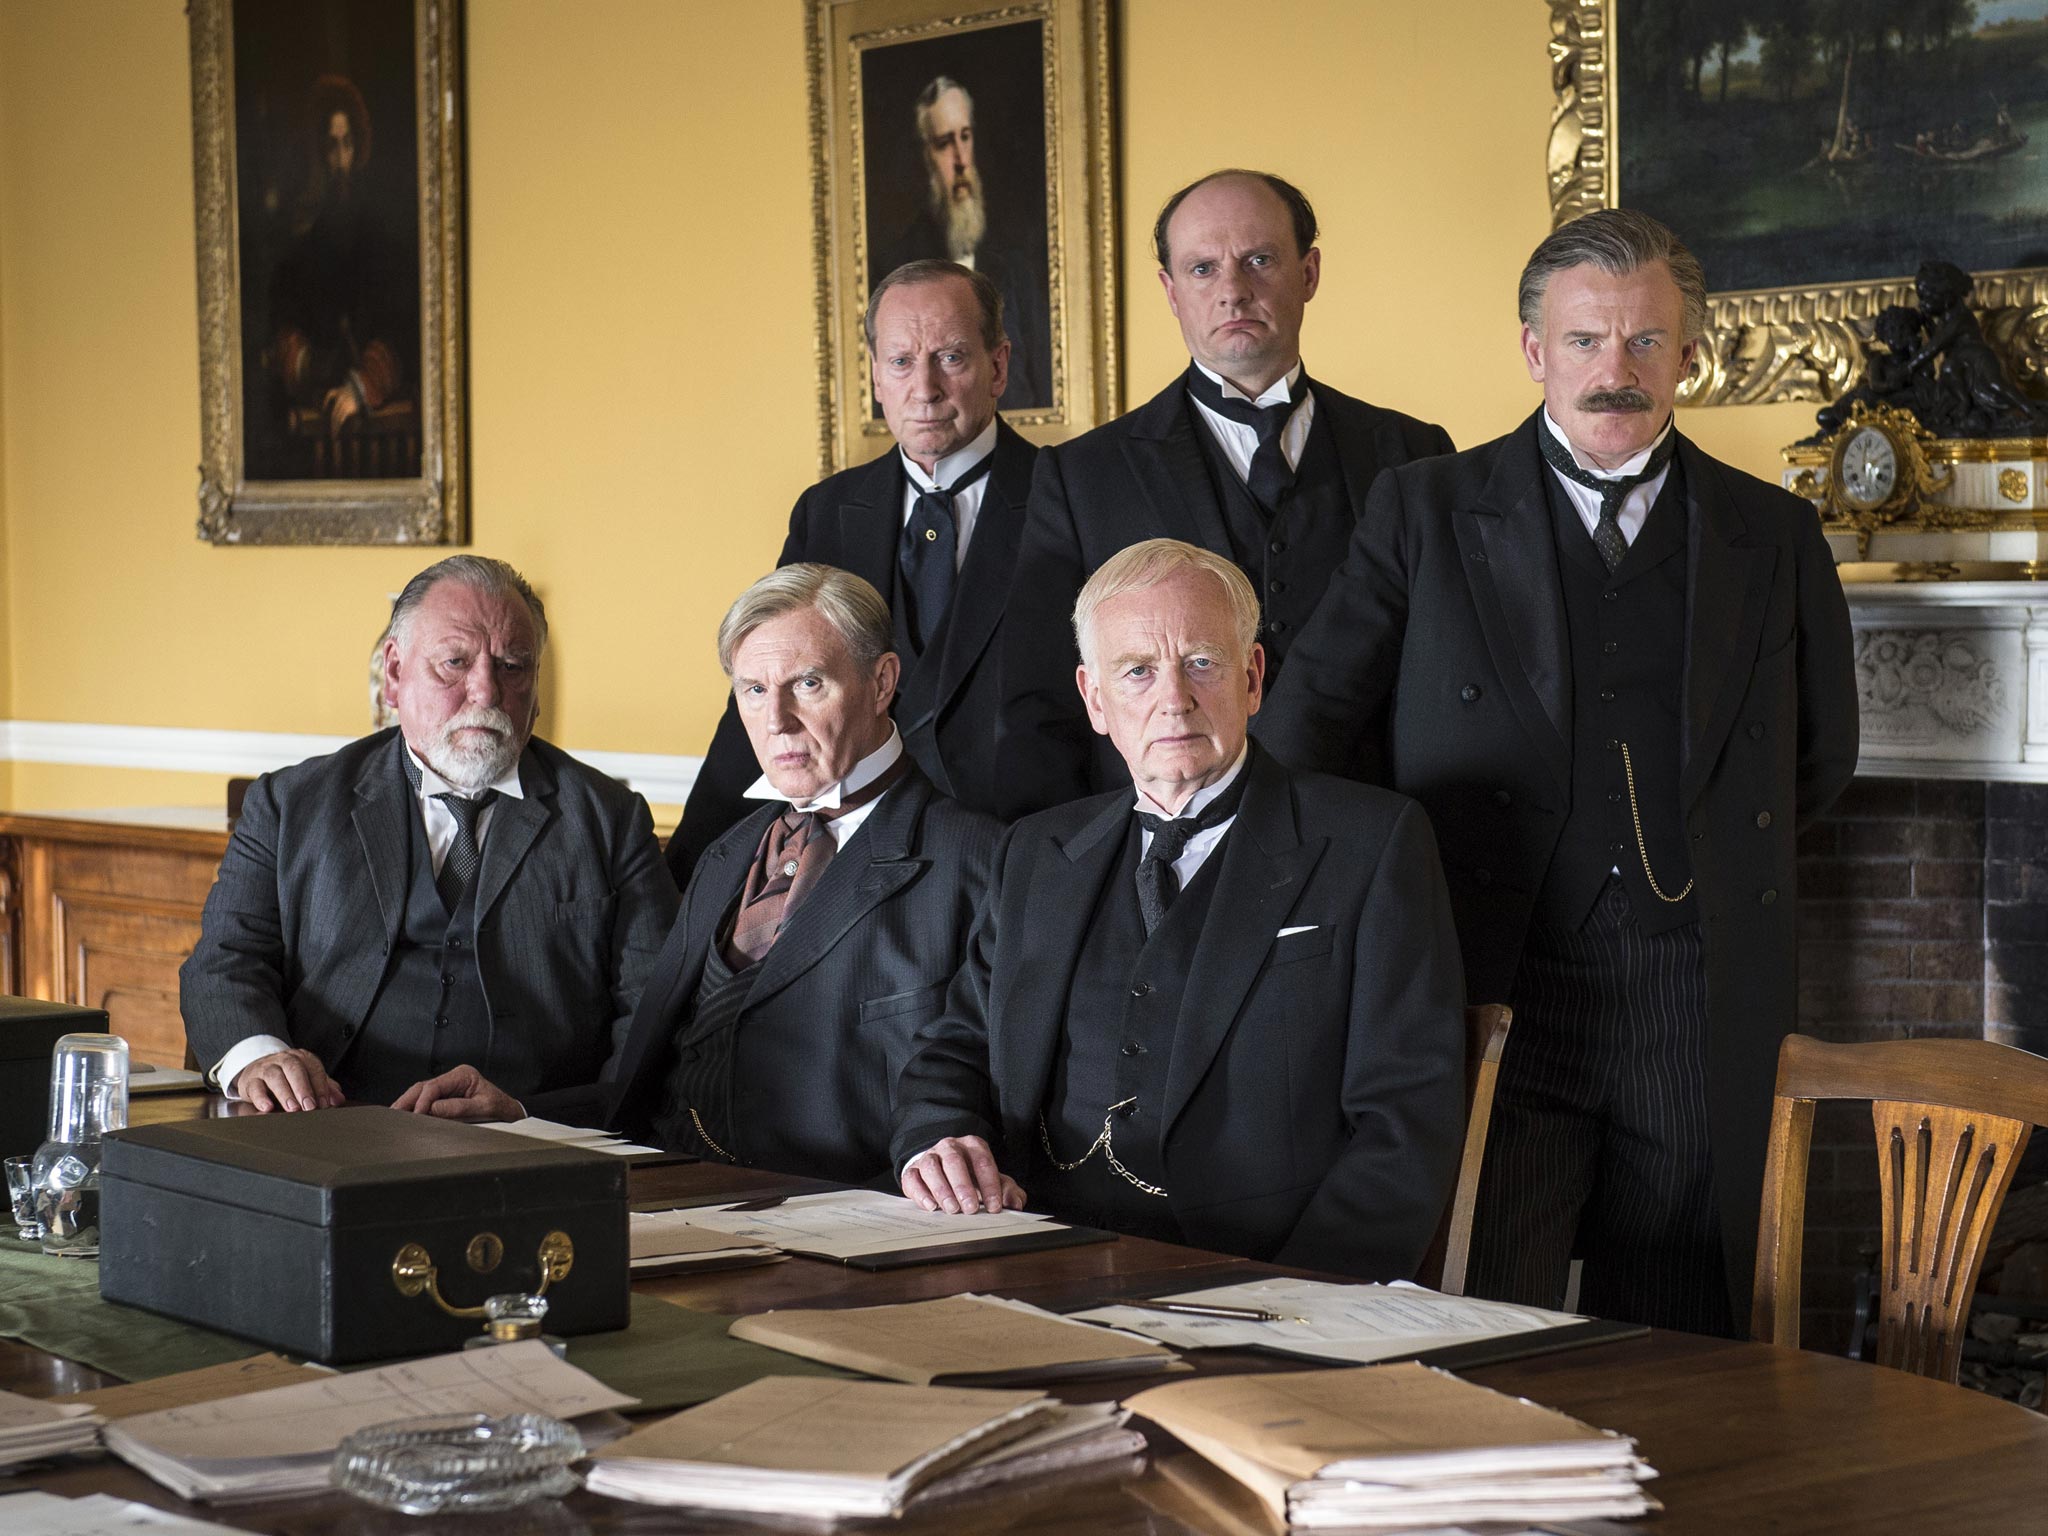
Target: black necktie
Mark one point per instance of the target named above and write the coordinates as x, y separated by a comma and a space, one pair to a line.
458, 870
926, 555
1158, 884
1607, 535
1269, 479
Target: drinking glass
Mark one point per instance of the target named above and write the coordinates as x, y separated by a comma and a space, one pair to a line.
21, 1192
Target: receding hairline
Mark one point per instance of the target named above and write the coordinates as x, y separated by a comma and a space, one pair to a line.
811, 611
1223, 178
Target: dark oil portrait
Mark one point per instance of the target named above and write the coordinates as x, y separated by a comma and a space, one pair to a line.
327, 207
1803, 143
953, 135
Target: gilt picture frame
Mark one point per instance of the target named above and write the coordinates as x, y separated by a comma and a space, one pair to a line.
328, 185
975, 130
1802, 163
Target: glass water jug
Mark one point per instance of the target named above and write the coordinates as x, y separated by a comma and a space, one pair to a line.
88, 1098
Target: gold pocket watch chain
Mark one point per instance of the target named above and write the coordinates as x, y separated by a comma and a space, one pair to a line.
1635, 812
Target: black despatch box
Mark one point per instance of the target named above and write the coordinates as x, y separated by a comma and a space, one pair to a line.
350, 1234
29, 1031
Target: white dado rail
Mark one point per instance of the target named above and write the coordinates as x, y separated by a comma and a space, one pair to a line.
1952, 679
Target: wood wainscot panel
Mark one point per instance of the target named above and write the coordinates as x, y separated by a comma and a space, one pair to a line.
101, 908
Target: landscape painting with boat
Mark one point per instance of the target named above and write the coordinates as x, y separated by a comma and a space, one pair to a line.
1813, 143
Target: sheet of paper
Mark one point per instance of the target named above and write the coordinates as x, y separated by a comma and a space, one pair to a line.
258, 1373
1361, 1323
148, 1079
312, 1417
581, 1137
99, 1514
662, 1234
953, 1337
20, 1414
850, 1223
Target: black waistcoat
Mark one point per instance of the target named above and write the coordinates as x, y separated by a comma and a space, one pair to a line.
1288, 558
1115, 1045
1627, 636
431, 1012
696, 1113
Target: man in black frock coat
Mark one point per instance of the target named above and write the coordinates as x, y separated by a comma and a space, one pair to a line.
1242, 454
1219, 1005
931, 525
1618, 674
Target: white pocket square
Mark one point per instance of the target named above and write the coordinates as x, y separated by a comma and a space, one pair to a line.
1304, 928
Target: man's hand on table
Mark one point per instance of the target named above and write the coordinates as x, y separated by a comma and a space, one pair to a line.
288, 1080
461, 1093
960, 1174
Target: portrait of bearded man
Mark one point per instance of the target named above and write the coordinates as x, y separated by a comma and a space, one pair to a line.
995, 225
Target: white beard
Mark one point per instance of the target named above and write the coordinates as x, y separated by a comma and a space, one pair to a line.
965, 220
473, 765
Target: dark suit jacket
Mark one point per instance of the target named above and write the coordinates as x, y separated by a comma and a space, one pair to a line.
863, 962
1439, 665
571, 901
1315, 1098
1142, 476
946, 704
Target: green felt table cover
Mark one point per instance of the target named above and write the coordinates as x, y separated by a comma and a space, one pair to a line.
668, 1356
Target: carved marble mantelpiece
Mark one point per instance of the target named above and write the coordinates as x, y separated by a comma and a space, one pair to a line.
1952, 679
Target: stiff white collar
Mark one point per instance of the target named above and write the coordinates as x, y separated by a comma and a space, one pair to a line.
953, 465
1279, 392
862, 774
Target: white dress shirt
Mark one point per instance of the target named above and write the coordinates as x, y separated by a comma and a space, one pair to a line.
832, 796
1238, 441
439, 822
966, 500
1635, 507
1203, 843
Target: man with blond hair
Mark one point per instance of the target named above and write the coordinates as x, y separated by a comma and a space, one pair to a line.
1218, 1006
820, 932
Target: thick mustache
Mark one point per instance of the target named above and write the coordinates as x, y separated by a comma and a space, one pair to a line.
1615, 400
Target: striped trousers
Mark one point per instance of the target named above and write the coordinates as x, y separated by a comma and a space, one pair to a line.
1599, 1145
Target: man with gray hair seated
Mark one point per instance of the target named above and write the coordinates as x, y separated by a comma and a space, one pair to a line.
1223, 1009
820, 932
451, 914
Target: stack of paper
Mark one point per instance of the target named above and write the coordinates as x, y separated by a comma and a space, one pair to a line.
31, 1429
798, 1447
581, 1137
663, 1243
1399, 1446
963, 1341
258, 1373
1325, 1321
862, 1224
99, 1514
277, 1443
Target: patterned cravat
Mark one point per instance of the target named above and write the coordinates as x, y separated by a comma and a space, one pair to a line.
1269, 478
1158, 882
1607, 535
793, 853
928, 554
458, 870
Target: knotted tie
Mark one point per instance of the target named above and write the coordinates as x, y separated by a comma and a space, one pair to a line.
931, 540
792, 855
1270, 477
458, 870
1158, 883
1607, 535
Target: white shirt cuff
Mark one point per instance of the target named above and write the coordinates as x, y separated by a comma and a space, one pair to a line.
230, 1066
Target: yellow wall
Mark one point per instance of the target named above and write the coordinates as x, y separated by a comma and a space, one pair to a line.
643, 390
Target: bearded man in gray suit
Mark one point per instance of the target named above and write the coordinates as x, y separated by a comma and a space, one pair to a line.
452, 914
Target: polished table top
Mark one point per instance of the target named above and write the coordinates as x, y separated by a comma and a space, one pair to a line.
1746, 1437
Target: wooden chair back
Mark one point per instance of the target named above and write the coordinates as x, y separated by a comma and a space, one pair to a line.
1952, 1118
1486, 1035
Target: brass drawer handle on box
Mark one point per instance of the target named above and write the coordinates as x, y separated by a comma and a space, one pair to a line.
413, 1271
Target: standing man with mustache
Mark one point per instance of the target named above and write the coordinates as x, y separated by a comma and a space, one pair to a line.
437, 902
1241, 455
1618, 675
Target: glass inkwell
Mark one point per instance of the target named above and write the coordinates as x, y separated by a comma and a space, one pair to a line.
513, 1316
88, 1098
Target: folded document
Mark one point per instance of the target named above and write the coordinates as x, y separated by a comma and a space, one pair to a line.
31, 1429
1397, 1447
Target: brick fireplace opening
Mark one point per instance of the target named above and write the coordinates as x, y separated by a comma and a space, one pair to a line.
1923, 913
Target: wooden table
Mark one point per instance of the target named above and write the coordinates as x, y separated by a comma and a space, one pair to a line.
1747, 1437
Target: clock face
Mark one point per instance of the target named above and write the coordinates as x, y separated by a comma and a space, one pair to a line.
1868, 470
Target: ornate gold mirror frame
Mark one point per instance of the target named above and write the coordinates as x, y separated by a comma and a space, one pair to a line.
1763, 345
